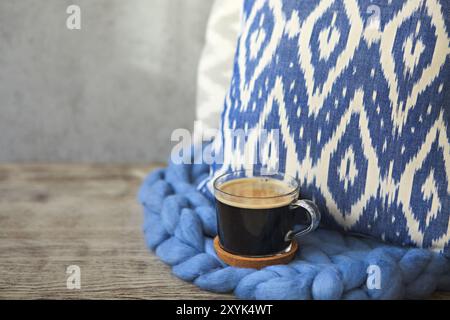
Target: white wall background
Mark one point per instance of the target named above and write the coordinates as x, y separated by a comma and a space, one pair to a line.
110, 92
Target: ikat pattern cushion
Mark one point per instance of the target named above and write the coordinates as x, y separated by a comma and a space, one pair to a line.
354, 96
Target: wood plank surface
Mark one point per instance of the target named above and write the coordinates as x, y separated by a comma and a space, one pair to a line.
53, 216
86, 215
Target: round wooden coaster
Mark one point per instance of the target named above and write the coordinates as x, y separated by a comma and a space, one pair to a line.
252, 262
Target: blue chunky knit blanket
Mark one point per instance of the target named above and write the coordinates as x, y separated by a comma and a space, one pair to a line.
180, 224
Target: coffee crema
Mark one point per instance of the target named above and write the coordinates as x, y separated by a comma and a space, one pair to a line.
256, 193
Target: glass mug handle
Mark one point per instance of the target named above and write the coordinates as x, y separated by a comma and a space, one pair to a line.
314, 215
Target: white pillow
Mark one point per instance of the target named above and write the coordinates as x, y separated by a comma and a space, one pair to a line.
216, 63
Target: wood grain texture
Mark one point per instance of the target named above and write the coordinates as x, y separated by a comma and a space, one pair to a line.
53, 216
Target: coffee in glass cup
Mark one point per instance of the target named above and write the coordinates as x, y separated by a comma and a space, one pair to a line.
256, 211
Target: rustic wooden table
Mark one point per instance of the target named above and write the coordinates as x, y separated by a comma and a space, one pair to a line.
53, 216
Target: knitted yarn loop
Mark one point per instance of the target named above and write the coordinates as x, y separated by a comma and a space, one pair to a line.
180, 224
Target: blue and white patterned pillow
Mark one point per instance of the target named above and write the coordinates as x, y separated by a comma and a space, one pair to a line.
359, 91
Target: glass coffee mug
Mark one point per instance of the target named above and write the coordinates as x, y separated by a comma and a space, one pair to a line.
256, 212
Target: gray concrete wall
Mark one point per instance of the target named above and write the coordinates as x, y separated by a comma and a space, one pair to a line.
110, 92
